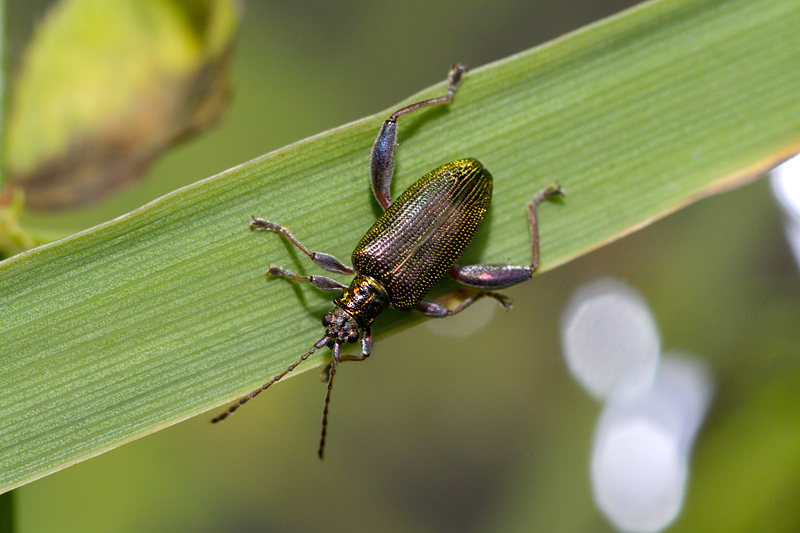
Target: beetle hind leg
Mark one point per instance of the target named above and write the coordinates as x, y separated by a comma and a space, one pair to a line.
495, 277
437, 310
381, 161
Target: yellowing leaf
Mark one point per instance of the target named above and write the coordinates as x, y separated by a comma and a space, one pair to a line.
105, 86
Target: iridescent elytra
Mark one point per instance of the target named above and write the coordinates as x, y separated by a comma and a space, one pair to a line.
415, 243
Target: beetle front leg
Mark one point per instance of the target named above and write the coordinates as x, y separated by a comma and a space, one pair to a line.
381, 161
366, 347
495, 277
325, 261
437, 310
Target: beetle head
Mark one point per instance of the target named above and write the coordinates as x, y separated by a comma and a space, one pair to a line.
341, 327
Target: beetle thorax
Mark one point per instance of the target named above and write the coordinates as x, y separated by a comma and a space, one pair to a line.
363, 300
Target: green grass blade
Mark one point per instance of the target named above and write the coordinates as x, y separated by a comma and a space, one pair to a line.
157, 316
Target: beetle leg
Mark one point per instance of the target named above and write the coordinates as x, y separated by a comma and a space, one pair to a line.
381, 162
321, 282
494, 277
454, 76
437, 310
325, 261
491, 277
366, 343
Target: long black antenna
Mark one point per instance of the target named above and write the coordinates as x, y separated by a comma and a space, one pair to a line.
319, 344
336, 354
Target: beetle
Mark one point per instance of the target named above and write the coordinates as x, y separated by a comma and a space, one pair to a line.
416, 241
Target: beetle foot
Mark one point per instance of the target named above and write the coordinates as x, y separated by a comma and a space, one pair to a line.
502, 299
263, 225
554, 190
456, 71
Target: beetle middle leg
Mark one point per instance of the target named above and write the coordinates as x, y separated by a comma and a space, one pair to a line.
495, 277
437, 310
381, 161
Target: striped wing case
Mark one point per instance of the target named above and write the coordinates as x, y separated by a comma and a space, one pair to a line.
425, 230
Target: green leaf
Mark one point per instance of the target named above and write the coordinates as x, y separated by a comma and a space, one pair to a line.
165, 313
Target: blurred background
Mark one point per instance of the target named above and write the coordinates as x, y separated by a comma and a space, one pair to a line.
441, 432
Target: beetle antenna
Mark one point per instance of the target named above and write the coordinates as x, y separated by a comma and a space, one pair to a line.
336, 354
319, 344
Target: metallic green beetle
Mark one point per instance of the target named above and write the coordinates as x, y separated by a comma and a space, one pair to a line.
407, 251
